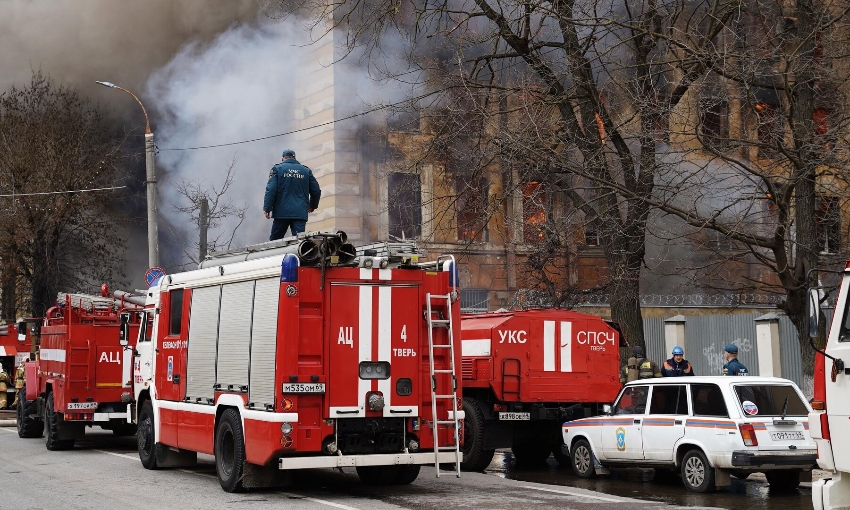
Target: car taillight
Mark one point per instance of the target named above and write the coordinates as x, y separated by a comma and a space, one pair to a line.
748, 434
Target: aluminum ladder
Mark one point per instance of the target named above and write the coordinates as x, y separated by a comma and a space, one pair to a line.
444, 394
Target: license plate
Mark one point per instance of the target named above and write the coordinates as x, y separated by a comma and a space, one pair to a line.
304, 388
514, 416
81, 405
785, 436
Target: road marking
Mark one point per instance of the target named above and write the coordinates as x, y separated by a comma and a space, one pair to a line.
581, 495
13, 431
122, 455
287, 494
320, 501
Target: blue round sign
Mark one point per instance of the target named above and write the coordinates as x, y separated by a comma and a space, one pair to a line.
153, 275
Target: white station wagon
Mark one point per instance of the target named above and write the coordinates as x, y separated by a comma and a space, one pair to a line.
707, 428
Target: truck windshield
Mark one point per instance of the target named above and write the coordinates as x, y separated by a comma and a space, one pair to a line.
769, 400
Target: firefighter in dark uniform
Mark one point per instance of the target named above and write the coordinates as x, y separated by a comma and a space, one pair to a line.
733, 366
638, 367
677, 366
291, 193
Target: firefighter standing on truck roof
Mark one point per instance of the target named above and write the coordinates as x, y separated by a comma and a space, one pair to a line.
291, 193
677, 366
733, 366
4, 382
20, 378
638, 367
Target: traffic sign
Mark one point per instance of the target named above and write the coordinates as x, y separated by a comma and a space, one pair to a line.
153, 275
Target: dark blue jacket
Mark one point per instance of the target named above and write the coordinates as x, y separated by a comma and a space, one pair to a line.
291, 191
735, 367
672, 369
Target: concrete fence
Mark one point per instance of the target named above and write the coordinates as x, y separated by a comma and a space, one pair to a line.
767, 342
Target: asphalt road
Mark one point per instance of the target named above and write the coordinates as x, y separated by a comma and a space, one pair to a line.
104, 472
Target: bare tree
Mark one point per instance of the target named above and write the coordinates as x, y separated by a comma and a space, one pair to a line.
54, 146
219, 207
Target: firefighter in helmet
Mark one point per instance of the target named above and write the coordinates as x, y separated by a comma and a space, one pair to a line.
638, 367
677, 366
20, 378
4, 384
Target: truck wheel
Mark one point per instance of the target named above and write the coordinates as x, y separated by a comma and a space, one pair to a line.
378, 475
783, 481
51, 429
532, 452
582, 459
697, 473
27, 425
230, 451
475, 457
406, 474
146, 437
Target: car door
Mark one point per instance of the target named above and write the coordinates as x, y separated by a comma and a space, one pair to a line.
664, 424
621, 432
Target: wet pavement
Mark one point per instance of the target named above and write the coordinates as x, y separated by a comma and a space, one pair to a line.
753, 493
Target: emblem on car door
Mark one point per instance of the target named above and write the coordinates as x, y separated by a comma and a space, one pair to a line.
621, 438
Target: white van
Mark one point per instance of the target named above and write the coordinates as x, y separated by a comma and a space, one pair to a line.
707, 428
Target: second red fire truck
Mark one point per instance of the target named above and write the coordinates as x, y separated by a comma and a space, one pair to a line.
527, 372
294, 354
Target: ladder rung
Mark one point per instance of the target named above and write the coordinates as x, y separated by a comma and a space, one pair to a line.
444, 396
447, 448
447, 371
441, 321
441, 346
446, 422
440, 296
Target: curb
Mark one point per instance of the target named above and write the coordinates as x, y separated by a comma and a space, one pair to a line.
8, 423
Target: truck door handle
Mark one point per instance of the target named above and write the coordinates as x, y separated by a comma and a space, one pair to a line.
398, 411
678, 422
176, 379
348, 412
637, 421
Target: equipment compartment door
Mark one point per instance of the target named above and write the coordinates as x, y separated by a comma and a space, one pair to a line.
376, 329
109, 369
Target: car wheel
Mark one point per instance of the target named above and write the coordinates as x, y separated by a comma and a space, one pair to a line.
783, 481
697, 473
230, 451
475, 457
582, 459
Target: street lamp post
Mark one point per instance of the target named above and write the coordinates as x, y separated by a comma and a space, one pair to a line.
150, 182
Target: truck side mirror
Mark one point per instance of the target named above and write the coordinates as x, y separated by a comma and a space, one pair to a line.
124, 329
22, 331
814, 312
606, 409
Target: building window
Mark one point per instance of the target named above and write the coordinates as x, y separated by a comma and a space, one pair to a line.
827, 223
714, 122
404, 200
474, 301
769, 130
591, 235
472, 208
535, 203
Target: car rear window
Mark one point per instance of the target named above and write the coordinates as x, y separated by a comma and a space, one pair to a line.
769, 399
708, 400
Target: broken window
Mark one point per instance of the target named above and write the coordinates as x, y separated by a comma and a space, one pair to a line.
827, 223
472, 208
714, 122
404, 203
769, 127
536, 201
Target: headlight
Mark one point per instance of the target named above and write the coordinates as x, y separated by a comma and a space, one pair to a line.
376, 401
286, 428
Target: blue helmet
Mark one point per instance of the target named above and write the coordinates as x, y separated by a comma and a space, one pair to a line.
731, 349
288, 153
678, 350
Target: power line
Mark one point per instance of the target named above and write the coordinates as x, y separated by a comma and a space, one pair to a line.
352, 116
61, 192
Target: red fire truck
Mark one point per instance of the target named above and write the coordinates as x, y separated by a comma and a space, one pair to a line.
527, 372
295, 354
15, 345
83, 373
